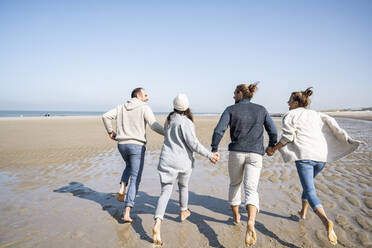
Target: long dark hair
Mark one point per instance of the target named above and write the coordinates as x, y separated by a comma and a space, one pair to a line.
187, 113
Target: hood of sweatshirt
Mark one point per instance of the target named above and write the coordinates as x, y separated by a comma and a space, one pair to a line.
133, 104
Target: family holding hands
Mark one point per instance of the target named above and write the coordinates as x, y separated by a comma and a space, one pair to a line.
309, 138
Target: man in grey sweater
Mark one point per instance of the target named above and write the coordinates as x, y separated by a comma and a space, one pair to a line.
131, 119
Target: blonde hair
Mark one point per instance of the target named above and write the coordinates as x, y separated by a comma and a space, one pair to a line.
247, 90
302, 97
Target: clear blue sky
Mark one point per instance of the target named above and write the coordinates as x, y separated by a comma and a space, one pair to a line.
89, 55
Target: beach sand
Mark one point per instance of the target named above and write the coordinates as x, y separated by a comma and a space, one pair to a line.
59, 176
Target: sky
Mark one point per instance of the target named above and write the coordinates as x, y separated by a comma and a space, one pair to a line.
88, 55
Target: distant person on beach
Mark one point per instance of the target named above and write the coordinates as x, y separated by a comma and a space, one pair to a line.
177, 160
131, 119
247, 121
311, 139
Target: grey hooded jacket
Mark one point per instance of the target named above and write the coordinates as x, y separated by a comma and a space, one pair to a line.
131, 120
177, 153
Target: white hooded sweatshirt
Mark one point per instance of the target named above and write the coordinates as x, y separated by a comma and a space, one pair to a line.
131, 120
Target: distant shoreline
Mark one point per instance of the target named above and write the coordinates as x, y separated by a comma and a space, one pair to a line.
354, 114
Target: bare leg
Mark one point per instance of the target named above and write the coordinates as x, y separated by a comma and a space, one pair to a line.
126, 215
122, 188
328, 225
236, 215
303, 211
250, 236
156, 232
120, 196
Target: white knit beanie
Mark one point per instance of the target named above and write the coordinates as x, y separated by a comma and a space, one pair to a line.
181, 102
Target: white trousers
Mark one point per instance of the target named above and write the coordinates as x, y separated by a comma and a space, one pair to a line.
244, 166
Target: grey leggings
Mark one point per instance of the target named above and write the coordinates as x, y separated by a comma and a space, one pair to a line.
166, 191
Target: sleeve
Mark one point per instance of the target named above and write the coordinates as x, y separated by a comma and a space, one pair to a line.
335, 128
288, 128
108, 117
150, 119
220, 130
270, 129
188, 131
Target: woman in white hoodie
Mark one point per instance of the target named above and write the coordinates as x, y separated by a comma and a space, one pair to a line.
177, 160
311, 139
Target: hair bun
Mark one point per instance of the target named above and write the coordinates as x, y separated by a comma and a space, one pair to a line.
253, 87
308, 91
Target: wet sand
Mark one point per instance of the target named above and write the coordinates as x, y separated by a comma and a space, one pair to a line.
58, 178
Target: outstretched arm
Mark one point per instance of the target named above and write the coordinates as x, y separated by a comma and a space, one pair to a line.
270, 129
188, 131
154, 125
289, 130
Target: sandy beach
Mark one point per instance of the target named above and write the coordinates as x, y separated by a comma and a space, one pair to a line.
59, 176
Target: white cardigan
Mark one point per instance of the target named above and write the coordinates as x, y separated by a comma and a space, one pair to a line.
310, 135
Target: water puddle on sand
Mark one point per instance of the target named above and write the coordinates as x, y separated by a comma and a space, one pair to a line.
75, 204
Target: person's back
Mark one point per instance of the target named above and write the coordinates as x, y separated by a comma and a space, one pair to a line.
306, 125
247, 122
176, 152
131, 120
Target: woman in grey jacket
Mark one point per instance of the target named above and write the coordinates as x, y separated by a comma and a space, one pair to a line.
177, 159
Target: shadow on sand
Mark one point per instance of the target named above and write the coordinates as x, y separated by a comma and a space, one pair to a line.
146, 204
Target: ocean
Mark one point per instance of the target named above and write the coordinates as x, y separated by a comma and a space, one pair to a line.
38, 113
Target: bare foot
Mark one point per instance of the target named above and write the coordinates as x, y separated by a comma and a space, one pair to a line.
120, 197
331, 233
184, 214
127, 220
156, 234
302, 214
126, 217
236, 218
250, 236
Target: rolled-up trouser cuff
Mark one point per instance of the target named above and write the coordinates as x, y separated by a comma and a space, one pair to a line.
129, 204
158, 217
235, 203
317, 206
253, 204
184, 209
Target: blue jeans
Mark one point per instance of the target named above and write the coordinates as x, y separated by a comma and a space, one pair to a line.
134, 157
307, 171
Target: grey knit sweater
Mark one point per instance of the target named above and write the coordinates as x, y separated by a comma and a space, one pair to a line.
177, 153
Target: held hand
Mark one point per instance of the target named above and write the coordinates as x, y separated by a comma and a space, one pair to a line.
270, 151
112, 135
215, 158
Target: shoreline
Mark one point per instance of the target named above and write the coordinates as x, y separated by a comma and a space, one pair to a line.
357, 115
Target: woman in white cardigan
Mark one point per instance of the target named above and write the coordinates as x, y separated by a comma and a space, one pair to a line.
311, 139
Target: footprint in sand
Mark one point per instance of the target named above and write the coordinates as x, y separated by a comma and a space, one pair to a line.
363, 222
342, 239
343, 222
353, 201
363, 238
345, 207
